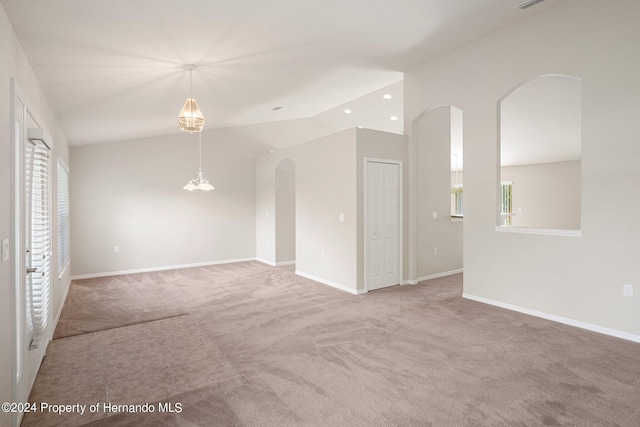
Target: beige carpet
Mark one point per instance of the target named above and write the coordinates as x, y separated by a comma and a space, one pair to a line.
110, 302
260, 346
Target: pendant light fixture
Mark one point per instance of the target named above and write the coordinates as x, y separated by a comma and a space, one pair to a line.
191, 118
199, 183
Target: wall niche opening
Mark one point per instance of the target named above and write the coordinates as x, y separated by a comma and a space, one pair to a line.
540, 137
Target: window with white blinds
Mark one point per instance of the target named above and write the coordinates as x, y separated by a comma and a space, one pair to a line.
38, 239
506, 205
63, 218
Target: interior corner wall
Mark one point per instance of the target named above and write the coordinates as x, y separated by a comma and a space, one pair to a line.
285, 212
265, 215
381, 145
439, 240
129, 194
15, 64
325, 183
575, 278
273, 137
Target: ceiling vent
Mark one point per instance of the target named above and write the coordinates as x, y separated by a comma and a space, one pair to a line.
528, 4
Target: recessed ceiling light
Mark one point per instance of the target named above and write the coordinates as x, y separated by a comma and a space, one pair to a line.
394, 117
276, 108
387, 96
347, 111
359, 127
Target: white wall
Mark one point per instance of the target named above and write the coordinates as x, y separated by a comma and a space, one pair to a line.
325, 187
329, 181
579, 279
285, 212
15, 64
129, 194
545, 195
433, 131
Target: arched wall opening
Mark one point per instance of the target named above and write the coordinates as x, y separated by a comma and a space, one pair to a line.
540, 126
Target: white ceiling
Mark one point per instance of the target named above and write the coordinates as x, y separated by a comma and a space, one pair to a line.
115, 70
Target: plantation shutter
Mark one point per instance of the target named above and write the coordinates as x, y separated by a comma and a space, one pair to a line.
38, 239
63, 217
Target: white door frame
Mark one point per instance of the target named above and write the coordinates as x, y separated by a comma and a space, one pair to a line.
18, 265
365, 209
25, 364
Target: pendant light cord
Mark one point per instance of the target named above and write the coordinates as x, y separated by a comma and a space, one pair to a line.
191, 82
191, 88
200, 149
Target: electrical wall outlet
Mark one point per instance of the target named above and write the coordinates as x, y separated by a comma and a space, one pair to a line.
435, 251
435, 215
341, 217
627, 290
116, 249
5, 250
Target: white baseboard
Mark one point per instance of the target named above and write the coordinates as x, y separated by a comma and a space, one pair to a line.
559, 319
409, 282
64, 299
327, 282
283, 263
166, 267
437, 275
266, 261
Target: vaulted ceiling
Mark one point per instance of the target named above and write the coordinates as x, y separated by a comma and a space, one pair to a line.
115, 70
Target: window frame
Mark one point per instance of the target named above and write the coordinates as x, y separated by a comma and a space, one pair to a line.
64, 217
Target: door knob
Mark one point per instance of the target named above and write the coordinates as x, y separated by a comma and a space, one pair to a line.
31, 270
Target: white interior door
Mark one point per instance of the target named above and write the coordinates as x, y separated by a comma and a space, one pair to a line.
20, 343
31, 252
382, 224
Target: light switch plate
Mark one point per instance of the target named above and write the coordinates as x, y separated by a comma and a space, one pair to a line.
5, 250
627, 290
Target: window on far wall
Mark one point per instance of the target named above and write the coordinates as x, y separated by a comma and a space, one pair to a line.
506, 210
457, 205
63, 218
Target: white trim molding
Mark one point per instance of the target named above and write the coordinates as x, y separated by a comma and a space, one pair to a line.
64, 299
166, 267
437, 275
559, 319
266, 261
542, 231
332, 284
283, 263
